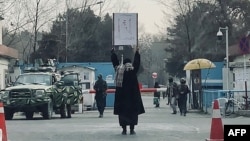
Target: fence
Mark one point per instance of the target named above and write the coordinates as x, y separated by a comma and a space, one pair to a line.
210, 95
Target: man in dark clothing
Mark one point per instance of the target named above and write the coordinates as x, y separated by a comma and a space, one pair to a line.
128, 102
100, 97
172, 93
157, 95
182, 100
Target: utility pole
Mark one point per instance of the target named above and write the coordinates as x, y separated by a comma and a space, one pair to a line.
66, 35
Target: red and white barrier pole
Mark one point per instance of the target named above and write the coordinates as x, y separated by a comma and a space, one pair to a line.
142, 90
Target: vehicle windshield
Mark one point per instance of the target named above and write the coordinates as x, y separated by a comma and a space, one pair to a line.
40, 79
70, 79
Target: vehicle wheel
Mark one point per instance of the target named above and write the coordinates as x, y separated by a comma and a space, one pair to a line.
29, 115
47, 110
8, 114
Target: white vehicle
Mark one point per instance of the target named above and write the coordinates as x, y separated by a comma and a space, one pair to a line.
88, 100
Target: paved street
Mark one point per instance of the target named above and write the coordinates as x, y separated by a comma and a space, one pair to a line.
157, 124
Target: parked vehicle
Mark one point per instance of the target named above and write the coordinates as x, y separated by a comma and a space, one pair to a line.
41, 90
86, 80
72, 87
89, 100
34, 91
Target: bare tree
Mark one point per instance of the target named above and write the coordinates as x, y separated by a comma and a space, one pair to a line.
39, 14
145, 43
33, 16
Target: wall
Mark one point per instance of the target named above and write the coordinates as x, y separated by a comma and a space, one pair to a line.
213, 78
241, 74
3, 70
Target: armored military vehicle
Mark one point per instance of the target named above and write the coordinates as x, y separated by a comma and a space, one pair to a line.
39, 89
33, 91
71, 89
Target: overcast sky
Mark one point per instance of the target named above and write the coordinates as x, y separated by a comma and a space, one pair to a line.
149, 11
149, 14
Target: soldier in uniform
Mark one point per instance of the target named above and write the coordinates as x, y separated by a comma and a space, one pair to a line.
100, 97
182, 101
157, 95
172, 93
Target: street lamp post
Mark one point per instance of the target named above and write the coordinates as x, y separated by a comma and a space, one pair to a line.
219, 35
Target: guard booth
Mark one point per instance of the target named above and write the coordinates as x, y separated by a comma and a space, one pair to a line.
194, 67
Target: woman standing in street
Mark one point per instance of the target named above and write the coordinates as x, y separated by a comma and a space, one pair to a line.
100, 97
128, 102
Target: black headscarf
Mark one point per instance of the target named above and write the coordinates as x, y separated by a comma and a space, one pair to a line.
127, 60
99, 76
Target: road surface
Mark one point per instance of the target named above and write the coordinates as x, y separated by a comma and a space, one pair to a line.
157, 124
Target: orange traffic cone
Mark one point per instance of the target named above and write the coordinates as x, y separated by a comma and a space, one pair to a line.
3, 133
216, 132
